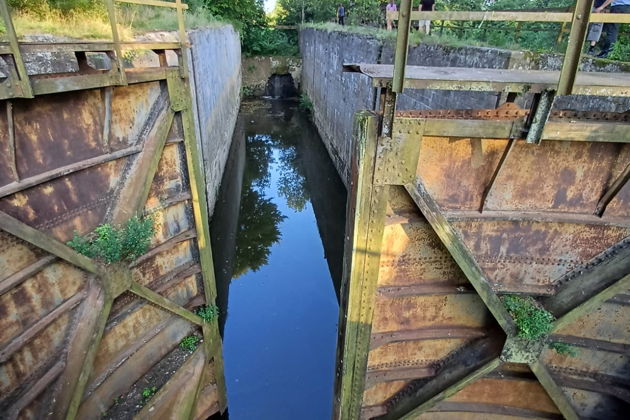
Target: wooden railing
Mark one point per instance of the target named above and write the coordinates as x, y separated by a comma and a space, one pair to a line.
18, 83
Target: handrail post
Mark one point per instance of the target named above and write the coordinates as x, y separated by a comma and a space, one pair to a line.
402, 45
111, 12
182, 38
579, 26
24, 82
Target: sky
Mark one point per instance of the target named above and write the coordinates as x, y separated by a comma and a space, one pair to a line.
269, 5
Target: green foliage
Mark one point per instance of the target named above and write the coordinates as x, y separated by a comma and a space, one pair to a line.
208, 313
148, 392
189, 343
563, 348
289, 12
260, 40
247, 91
305, 103
365, 12
111, 244
532, 321
64, 6
621, 49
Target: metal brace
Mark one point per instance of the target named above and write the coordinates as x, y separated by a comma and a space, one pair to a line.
540, 111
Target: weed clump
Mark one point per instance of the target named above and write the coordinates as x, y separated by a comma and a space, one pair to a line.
208, 313
148, 392
189, 343
532, 321
112, 244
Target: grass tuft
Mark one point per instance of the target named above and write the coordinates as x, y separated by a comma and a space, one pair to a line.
532, 321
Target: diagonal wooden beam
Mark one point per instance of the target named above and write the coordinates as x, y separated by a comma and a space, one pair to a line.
35, 180
611, 193
89, 332
463, 368
577, 287
26, 273
553, 390
164, 303
460, 253
135, 192
450, 390
593, 302
47, 243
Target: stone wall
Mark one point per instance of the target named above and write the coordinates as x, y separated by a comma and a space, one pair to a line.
216, 94
258, 70
336, 96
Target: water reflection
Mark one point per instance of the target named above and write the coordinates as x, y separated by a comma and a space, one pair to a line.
279, 338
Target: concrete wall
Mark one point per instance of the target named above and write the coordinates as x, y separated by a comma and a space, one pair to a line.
258, 70
336, 96
216, 90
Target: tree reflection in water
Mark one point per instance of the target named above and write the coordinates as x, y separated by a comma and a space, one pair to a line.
260, 217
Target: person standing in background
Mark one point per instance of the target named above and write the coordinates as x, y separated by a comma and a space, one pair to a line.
389, 13
341, 14
612, 29
427, 6
594, 29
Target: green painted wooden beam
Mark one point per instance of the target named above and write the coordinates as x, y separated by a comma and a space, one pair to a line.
161, 301
554, 391
365, 227
453, 389
579, 27
461, 254
47, 243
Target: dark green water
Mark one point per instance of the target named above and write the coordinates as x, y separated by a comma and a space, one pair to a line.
278, 235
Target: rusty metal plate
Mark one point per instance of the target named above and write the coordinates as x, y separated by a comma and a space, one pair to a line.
412, 254
530, 256
456, 172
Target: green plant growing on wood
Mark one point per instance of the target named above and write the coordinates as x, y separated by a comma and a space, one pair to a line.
563, 348
148, 392
208, 313
305, 103
112, 244
189, 343
532, 321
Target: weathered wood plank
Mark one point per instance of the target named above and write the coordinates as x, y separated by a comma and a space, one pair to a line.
158, 3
